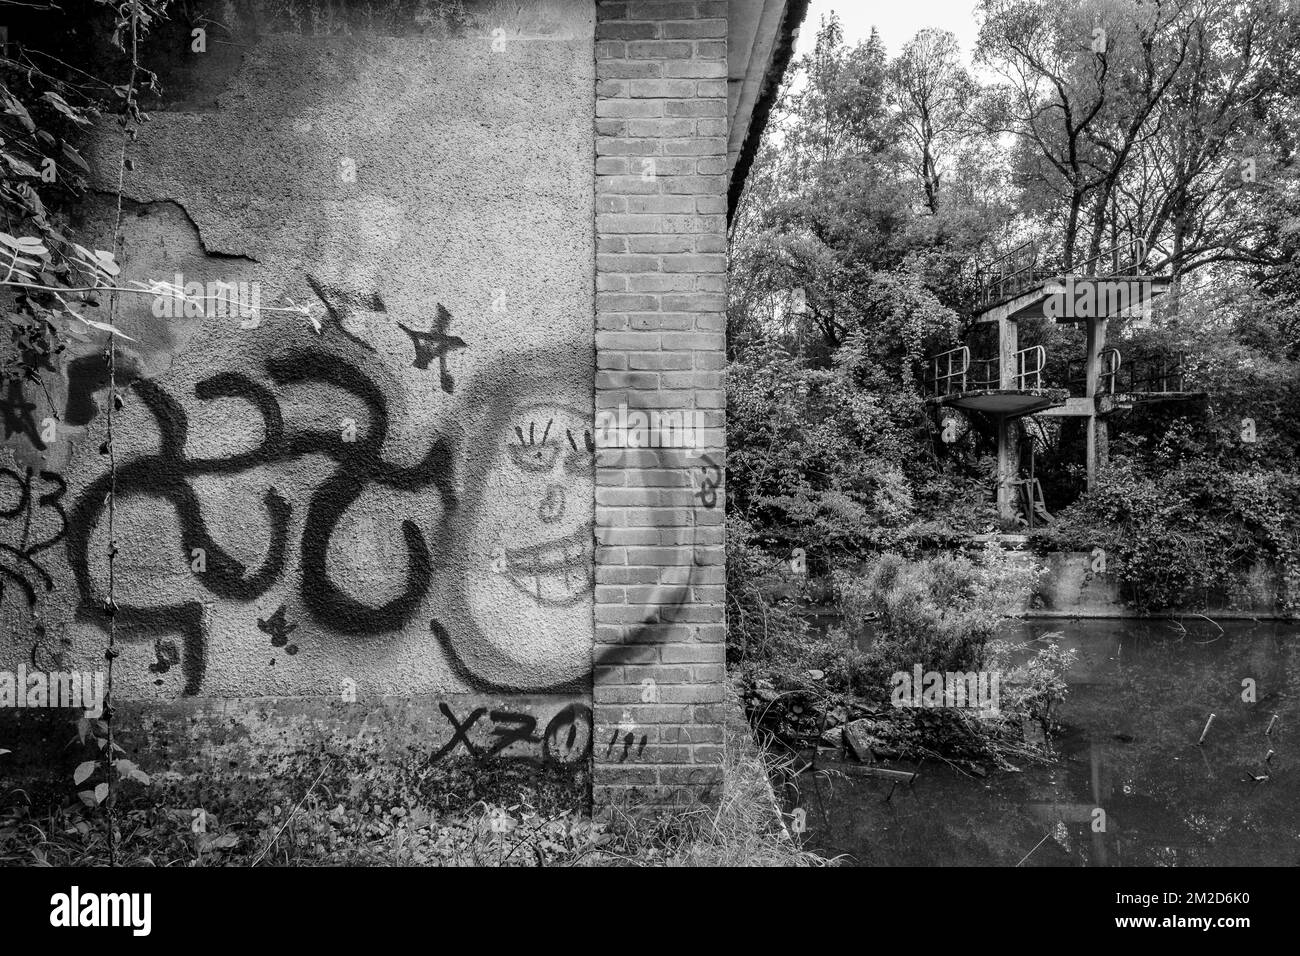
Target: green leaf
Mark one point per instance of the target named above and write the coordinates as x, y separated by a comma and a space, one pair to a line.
101, 793
62, 105
20, 167
75, 158
83, 772
97, 259
14, 108
88, 798
106, 262
227, 841
127, 768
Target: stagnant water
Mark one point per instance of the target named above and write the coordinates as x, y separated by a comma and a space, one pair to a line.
1140, 694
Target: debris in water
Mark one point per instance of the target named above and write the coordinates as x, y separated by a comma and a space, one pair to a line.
1206, 730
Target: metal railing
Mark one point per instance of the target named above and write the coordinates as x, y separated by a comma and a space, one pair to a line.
1031, 499
1029, 368
1023, 267
948, 369
956, 371
1155, 374
1124, 259
1076, 373
1008, 274
985, 373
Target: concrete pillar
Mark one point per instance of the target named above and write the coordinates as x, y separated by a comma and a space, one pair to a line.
1008, 433
1008, 346
1096, 343
1008, 467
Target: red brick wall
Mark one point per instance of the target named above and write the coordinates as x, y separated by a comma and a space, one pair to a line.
661, 193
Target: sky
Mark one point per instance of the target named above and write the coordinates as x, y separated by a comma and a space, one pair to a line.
897, 20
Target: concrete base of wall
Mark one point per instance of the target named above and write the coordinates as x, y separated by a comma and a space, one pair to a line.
740, 739
1071, 588
245, 754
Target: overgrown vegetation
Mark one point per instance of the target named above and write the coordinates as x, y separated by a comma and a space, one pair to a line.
938, 612
1181, 536
883, 181
55, 285
882, 184
374, 816
892, 615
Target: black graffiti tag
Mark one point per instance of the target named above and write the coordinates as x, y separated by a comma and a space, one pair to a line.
520, 732
360, 465
435, 343
568, 736
16, 412
19, 564
167, 475
708, 493
459, 732
341, 303
18, 415
279, 628
566, 740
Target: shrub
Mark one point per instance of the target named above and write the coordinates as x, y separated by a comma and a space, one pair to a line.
1176, 535
938, 612
1032, 687
763, 621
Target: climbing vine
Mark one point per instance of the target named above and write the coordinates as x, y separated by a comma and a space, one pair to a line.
55, 281
58, 291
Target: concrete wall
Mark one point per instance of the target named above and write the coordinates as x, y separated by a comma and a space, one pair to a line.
398, 504
1071, 588
395, 534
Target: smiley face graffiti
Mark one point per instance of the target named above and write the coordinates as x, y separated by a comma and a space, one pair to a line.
550, 522
522, 545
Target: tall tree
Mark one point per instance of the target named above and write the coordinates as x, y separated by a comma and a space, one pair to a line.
934, 93
1082, 81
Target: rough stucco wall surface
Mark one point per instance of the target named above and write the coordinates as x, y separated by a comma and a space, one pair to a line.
403, 500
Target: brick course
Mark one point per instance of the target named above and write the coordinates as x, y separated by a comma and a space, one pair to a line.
661, 188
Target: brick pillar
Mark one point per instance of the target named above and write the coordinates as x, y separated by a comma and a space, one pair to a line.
661, 193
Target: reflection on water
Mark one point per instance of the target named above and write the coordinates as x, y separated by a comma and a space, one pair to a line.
1140, 694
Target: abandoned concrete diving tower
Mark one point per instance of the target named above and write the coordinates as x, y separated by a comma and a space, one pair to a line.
1013, 384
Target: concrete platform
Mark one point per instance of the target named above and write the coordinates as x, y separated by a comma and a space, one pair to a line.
1011, 403
1072, 298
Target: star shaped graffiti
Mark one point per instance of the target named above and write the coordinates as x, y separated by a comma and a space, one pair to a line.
436, 343
19, 414
19, 418
341, 304
279, 629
